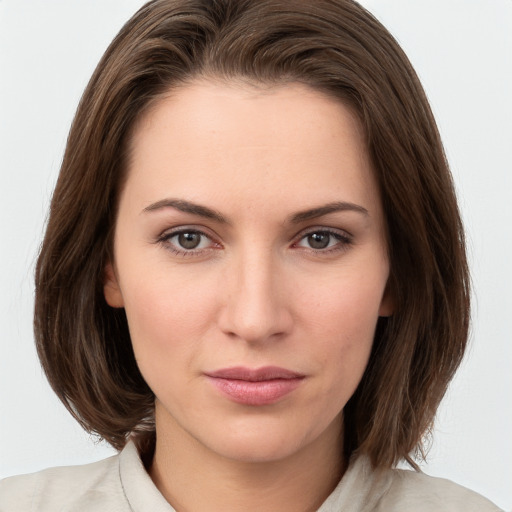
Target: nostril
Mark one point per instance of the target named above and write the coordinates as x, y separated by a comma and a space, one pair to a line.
255, 307
270, 327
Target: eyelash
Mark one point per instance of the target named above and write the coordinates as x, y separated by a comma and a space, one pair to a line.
344, 241
165, 238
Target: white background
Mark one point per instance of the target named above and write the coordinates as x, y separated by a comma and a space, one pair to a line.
462, 50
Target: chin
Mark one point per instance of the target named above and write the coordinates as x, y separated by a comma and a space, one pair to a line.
257, 449
262, 441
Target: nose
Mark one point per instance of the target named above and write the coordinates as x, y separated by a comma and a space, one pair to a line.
256, 306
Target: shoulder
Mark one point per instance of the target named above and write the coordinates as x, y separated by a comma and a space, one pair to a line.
408, 490
81, 488
365, 489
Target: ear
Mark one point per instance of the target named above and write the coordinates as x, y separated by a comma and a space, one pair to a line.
387, 305
111, 289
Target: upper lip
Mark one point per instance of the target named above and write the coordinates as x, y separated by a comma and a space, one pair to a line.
254, 375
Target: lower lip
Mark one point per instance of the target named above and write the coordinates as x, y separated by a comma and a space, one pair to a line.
263, 392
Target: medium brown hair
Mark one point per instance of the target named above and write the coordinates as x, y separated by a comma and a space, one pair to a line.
334, 46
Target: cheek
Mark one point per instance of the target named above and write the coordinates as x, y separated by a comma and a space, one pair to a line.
346, 305
340, 319
168, 315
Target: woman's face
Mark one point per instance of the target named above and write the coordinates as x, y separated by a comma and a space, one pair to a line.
250, 258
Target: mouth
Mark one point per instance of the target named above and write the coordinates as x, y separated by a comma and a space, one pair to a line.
261, 386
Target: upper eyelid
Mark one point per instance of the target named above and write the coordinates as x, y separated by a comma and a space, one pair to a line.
323, 229
166, 233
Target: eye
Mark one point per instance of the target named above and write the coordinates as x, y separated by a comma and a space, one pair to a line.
321, 240
186, 241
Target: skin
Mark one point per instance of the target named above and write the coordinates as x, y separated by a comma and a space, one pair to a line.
258, 290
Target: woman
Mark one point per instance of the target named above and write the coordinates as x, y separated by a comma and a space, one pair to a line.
253, 280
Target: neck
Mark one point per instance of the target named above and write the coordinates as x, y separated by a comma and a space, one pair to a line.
192, 477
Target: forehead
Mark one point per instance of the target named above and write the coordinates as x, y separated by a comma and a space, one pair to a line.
257, 144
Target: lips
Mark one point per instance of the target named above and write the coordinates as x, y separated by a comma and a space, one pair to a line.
261, 386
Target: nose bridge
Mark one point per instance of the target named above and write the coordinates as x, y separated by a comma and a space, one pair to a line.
256, 309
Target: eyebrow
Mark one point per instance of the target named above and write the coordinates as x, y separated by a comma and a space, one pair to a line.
187, 207
338, 206
297, 218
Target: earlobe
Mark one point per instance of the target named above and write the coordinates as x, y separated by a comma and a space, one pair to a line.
387, 305
111, 290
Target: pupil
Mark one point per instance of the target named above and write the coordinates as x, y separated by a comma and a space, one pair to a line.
189, 240
319, 240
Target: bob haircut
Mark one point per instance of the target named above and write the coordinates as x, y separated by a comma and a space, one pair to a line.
335, 47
